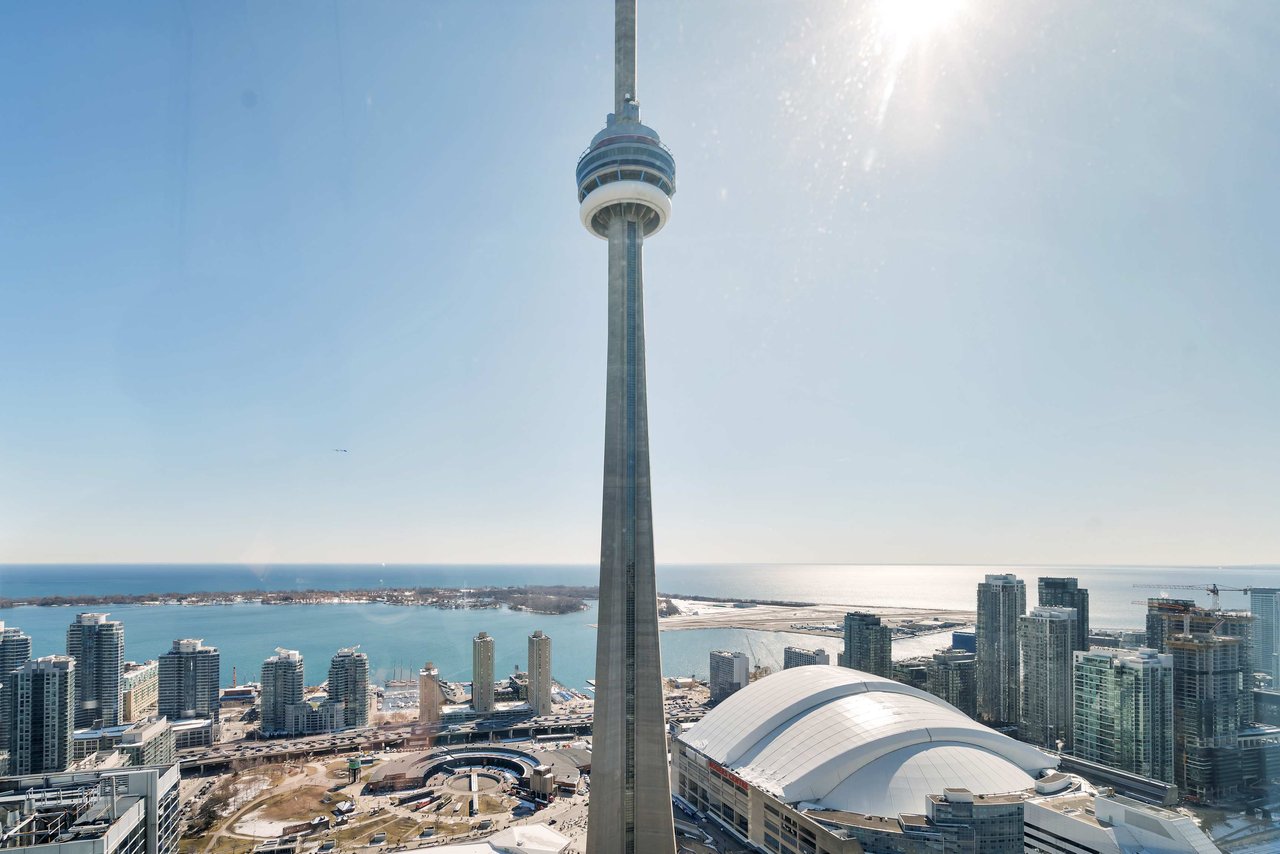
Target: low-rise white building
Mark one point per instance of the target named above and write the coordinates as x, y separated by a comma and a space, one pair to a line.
1108, 824
520, 839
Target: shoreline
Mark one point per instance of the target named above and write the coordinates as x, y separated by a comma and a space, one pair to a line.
816, 620
551, 600
695, 611
692, 611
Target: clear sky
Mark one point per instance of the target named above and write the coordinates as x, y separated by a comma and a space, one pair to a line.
995, 283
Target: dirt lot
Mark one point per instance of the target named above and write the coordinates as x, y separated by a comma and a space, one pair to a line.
397, 828
295, 804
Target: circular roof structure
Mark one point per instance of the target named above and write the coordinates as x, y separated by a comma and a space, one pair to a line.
841, 739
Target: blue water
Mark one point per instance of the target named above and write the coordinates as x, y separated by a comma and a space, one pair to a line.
403, 638
394, 637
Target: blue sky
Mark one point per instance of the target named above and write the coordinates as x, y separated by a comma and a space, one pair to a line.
996, 286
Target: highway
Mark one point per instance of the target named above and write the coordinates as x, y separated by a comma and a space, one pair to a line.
401, 736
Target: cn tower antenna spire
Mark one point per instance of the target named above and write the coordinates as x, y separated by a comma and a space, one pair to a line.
624, 55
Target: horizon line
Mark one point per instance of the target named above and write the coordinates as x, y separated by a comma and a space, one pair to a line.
483, 564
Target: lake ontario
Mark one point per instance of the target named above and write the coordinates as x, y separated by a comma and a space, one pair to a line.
399, 639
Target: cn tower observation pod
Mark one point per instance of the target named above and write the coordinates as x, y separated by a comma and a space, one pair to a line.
626, 167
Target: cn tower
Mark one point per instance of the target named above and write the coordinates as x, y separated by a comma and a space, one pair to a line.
625, 182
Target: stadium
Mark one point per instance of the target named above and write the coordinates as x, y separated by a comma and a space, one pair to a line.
829, 759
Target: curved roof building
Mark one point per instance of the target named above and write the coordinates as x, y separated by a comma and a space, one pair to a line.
832, 738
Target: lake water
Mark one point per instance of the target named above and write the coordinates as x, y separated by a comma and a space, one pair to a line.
402, 638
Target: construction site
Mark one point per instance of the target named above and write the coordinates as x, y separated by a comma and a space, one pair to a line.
385, 801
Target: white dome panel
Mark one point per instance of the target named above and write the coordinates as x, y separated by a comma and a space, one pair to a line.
853, 741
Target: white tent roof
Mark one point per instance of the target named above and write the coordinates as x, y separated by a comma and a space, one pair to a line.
529, 839
853, 741
520, 839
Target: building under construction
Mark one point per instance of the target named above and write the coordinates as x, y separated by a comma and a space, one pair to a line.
1221, 755
1206, 702
1168, 617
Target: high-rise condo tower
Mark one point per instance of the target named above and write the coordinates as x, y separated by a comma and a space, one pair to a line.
42, 699
1264, 603
1002, 599
1046, 639
15, 651
430, 697
282, 687
540, 673
868, 644
188, 681
1123, 710
97, 645
349, 685
625, 182
1067, 593
482, 673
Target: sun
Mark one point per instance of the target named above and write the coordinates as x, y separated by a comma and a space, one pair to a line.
903, 22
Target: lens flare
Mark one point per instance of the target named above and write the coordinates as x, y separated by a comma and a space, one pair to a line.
904, 26
908, 21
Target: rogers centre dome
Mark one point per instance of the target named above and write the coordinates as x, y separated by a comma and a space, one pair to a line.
833, 738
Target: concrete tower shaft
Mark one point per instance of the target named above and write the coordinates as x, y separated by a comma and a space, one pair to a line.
625, 182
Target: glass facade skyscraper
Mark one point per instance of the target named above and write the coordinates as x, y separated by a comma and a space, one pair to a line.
1123, 710
15, 650
868, 644
1264, 604
1067, 593
1002, 599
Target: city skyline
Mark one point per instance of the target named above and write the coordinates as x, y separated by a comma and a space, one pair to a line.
1124, 717
994, 292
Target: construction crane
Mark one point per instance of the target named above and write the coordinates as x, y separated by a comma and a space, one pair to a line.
1212, 589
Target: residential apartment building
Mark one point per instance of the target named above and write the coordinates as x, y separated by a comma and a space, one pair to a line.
868, 645
41, 699
97, 645
1123, 710
1046, 640
190, 676
540, 673
1002, 599
730, 673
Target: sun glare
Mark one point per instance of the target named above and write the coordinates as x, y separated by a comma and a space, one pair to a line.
906, 21
903, 27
